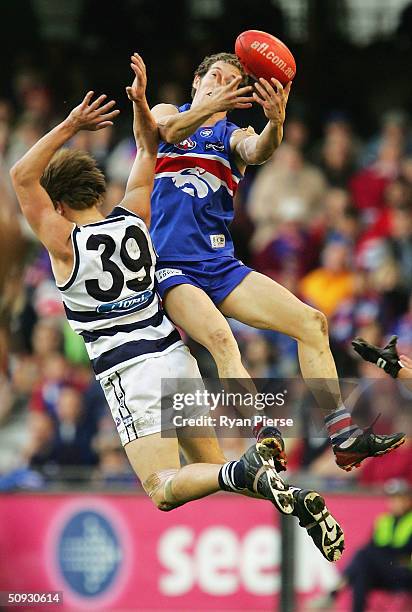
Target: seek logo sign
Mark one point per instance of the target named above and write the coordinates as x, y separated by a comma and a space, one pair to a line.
89, 554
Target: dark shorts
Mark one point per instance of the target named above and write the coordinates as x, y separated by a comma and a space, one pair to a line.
217, 277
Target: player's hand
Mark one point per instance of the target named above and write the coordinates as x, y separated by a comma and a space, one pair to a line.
273, 99
386, 358
228, 97
406, 361
137, 91
93, 115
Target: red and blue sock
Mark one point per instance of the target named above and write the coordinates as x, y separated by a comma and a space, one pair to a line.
341, 429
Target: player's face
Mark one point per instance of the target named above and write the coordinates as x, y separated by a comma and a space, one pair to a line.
220, 73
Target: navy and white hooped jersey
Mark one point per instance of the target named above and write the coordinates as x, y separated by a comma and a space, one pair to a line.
192, 200
110, 297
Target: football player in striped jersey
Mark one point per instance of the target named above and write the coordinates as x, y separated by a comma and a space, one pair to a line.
104, 268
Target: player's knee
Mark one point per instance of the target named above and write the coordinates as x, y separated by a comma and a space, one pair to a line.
163, 505
221, 341
315, 325
158, 486
321, 323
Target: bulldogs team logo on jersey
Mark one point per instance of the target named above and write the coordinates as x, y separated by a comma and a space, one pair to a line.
186, 144
206, 132
195, 181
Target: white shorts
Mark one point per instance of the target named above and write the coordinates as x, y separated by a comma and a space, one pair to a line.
138, 399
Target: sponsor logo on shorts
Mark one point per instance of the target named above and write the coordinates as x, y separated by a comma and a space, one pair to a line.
186, 144
135, 302
215, 146
218, 241
206, 132
127, 420
165, 273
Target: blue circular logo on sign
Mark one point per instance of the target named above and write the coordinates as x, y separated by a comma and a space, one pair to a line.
89, 553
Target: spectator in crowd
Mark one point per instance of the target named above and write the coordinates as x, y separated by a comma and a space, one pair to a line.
403, 329
395, 129
326, 287
72, 444
13, 249
368, 186
399, 244
384, 563
259, 357
59, 438
406, 169
296, 132
113, 468
287, 188
338, 158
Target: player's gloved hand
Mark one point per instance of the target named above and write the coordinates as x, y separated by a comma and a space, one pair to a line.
386, 358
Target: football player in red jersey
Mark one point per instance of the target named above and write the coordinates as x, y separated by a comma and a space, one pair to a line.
201, 159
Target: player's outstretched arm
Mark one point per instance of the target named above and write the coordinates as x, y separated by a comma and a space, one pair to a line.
175, 127
256, 149
50, 227
140, 183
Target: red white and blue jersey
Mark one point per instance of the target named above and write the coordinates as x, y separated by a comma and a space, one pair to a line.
192, 200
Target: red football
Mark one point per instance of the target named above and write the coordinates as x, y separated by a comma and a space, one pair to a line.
264, 55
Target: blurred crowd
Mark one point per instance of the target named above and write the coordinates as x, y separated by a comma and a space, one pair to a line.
329, 217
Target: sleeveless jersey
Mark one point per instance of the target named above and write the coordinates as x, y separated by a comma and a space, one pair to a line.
110, 297
192, 199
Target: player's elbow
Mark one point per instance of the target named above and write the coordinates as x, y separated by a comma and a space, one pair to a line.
169, 134
250, 153
257, 160
261, 156
19, 175
15, 173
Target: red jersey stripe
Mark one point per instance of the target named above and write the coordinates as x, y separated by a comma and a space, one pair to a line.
175, 164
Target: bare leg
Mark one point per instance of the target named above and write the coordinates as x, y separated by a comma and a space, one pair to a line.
261, 302
200, 445
191, 309
205, 448
156, 462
